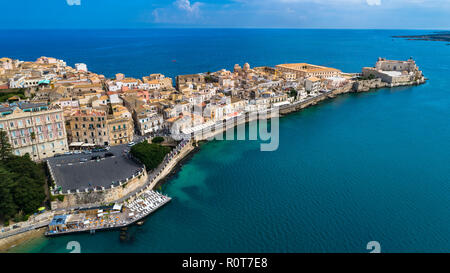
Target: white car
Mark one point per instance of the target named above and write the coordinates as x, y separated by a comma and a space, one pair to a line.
131, 144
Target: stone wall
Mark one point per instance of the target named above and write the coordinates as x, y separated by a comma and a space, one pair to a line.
101, 197
366, 85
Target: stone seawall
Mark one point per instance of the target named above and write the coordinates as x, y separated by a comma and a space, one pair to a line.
101, 197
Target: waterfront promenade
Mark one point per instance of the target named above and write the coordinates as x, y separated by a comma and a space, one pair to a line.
131, 212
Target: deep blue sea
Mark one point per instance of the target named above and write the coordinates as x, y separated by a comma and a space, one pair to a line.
358, 168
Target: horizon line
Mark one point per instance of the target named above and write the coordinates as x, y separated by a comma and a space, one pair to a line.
172, 27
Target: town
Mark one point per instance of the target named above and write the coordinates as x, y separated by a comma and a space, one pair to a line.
84, 126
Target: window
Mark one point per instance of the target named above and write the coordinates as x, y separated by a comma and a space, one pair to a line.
11, 124
38, 120
20, 123
1, 125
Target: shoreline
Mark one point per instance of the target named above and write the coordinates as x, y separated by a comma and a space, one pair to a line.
326, 97
8, 244
25, 237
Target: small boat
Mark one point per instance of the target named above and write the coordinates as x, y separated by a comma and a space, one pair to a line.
140, 223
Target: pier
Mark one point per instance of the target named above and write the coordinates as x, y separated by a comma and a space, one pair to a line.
107, 218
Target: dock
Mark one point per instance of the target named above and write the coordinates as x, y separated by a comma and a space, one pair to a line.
102, 219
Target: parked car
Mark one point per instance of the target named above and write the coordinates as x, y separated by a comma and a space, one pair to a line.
83, 159
57, 155
131, 144
109, 154
76, 152
87, 152
95, 157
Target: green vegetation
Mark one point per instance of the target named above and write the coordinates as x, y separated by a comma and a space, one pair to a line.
210, 79
60, 197
21, 186
5, 147
157, 139
151, 155
8, 93
293, 93
22, 183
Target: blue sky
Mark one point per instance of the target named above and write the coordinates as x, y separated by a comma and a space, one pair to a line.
390, 14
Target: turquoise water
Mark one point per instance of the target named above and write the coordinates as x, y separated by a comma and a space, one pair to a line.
360, 167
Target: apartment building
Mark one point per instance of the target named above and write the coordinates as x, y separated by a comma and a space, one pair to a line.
34, 128
89, 126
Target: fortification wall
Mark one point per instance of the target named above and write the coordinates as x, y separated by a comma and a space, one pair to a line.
101, 197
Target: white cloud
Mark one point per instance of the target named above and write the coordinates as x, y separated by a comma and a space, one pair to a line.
373, 2
186, 5
73, 2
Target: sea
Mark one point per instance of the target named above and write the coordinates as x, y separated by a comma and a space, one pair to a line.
358, 168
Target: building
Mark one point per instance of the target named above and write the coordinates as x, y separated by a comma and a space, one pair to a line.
89, 126
81, 67
120, 76
312, 84
394, 72
34, 128
196, 79
147, 120
304, 70
120, 130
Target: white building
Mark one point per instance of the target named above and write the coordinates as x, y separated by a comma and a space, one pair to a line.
312, 84
81, 67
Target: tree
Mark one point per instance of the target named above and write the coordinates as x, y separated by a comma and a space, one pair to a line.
5, 147
22, 188
293, 93
7, 206
157, 139
150, 154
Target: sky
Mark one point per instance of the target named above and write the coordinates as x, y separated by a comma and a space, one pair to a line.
381, 14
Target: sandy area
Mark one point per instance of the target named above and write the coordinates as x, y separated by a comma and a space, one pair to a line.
8, 244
